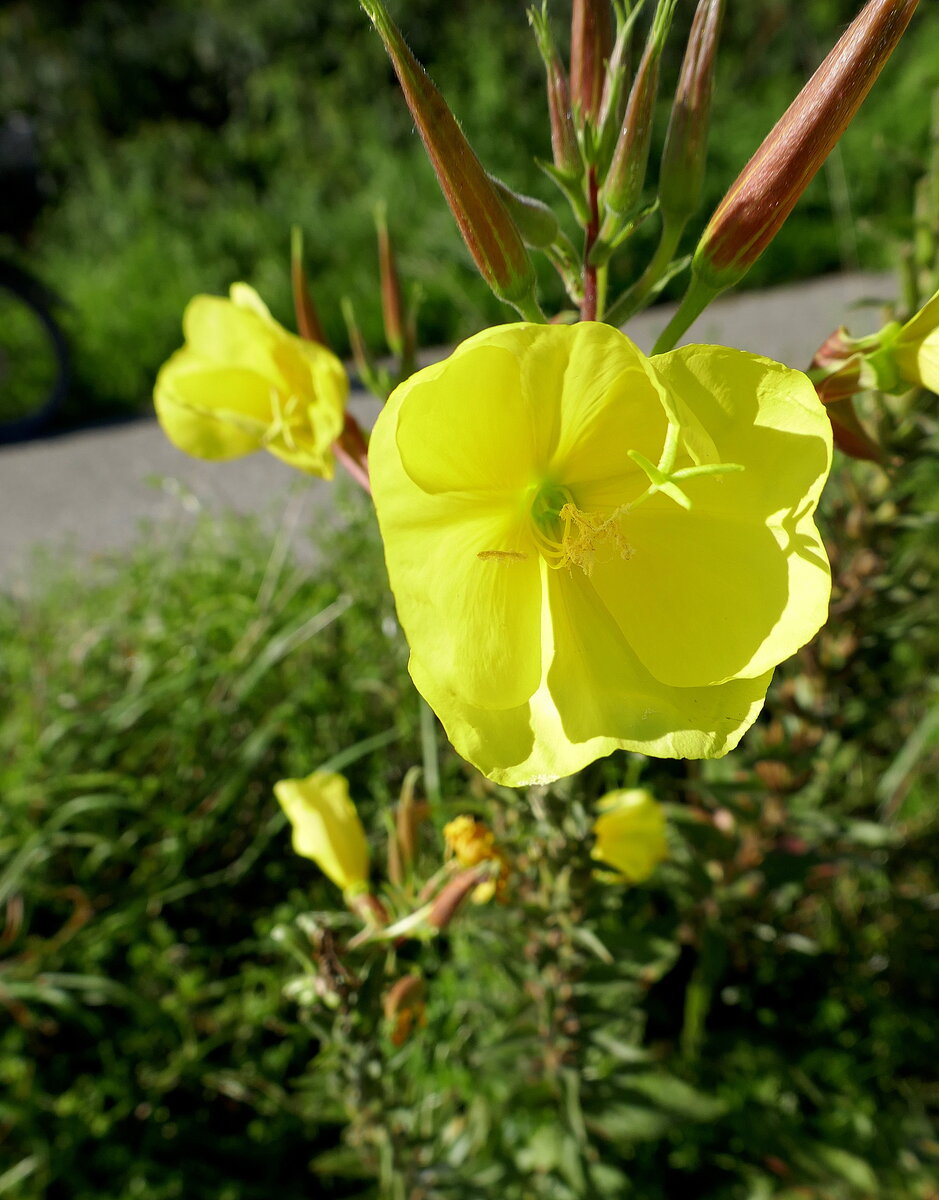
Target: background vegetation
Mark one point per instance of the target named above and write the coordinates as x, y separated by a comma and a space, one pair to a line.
755, 1023
182, 140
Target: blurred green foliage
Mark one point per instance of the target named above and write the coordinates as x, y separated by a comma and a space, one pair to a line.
183, 140
758, 1021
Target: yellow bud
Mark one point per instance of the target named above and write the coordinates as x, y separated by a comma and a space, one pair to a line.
326, 827
630, 833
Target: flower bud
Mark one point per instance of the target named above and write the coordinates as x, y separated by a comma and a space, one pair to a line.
392, 300
615, 88
630, 833
622, 190
408, 816
443, 908
309, 325
681, 175
591, 46
563, 138
405, 1008
489, 232
766, 191
839, 371
326, 827
535, 220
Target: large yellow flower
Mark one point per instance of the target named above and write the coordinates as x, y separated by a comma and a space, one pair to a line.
243, 383
590, 549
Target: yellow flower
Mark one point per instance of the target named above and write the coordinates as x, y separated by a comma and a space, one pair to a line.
243, 383
590, 549
916, 349
630, 833
326, 827
472, 842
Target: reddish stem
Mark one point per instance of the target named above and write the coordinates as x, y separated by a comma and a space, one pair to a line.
351, 450
588, 309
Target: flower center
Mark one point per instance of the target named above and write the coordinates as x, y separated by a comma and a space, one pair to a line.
565, 535
287, 420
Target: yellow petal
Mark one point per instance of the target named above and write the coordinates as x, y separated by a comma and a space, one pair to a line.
594, 697
470, 431
231, 335
463, 570
608, 402
215, 413
917, 347
700, 596
742, 581
326, 827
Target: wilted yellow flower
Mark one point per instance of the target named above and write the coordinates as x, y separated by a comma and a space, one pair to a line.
630, 833
916, 349
472, 842
590, 549
243, 383
326, 827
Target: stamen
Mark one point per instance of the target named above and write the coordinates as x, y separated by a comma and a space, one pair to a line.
284, 417
582, 536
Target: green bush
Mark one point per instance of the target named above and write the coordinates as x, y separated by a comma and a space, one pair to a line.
186, 139
756, 1021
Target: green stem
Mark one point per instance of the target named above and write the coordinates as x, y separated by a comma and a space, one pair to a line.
430, 754
529, 309
698, 296
633, 299
603, 275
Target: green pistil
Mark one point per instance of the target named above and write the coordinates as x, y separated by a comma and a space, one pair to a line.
546, 507
665, 480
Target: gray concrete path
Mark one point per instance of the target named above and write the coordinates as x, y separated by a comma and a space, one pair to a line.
90, 493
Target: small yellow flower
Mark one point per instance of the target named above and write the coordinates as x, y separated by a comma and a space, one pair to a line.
590, 549
916, 349
243, 383
472, 842
630, 833
326, 827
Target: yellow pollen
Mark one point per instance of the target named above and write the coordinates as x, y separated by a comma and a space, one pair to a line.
583, 534
502, 555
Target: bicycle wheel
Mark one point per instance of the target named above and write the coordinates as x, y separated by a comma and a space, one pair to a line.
33, 356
